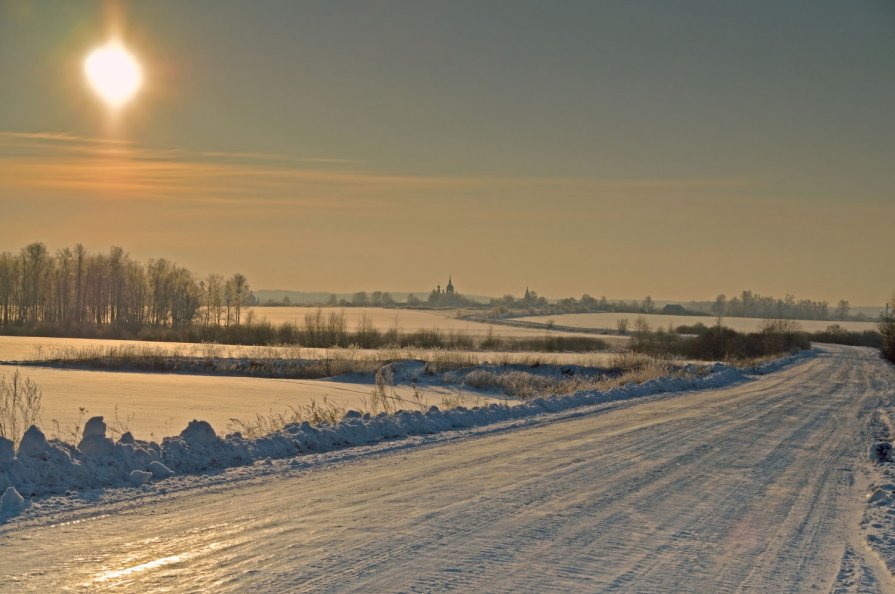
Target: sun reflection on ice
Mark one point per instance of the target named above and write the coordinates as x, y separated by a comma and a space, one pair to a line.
120, 573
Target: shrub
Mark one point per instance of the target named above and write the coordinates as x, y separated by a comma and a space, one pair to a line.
20, 400
720, 343
836, 334
697, 329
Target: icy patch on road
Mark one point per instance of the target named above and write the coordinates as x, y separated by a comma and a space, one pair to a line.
44, 467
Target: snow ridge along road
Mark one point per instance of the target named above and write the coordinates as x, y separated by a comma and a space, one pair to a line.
756, 487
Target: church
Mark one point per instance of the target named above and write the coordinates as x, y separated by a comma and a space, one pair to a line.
446, 296
448, 290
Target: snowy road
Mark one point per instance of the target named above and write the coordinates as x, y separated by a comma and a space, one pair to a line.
753, 488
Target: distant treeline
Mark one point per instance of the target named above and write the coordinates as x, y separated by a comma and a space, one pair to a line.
507, 306
745, 305
326, 330
436, 299
533, 304
74, 292
753, 305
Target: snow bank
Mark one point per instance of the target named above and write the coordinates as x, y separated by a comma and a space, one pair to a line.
11, 502
879, 514
45, 467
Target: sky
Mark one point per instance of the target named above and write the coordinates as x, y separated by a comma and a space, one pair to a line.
674, 149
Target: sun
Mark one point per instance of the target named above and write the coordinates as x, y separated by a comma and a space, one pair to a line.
114, 73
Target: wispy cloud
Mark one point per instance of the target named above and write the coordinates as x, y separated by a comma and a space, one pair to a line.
54, 143
60, 137
61, 162
273, 158
65, 165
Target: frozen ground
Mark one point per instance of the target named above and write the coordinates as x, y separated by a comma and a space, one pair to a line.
608, 321
756, 487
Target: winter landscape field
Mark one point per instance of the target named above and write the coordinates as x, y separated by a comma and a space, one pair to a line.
156, 404
411, 297
609, 321
408, 319
749, 481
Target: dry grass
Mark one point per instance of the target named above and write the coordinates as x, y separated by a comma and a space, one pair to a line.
286, 362
70, 433
20, 402
314, 413
517, 384
523, 384
383, 399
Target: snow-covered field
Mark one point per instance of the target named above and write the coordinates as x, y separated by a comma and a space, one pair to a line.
609, 321
153, 405
26, 348
407, 320
758, 487
22, 348
159, 404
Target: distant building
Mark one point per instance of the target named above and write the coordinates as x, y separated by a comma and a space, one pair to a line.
676, 309
448, 290
446, 296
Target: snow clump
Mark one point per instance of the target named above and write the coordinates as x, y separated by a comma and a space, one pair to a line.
11, 502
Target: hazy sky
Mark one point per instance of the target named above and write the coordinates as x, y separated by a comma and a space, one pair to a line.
678, 149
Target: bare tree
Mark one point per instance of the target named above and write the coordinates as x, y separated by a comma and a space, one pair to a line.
76, 288
622, 325
8, 267
842, 309
719, 307
241, 293
214, 299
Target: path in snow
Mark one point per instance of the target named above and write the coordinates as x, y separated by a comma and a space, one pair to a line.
754, 488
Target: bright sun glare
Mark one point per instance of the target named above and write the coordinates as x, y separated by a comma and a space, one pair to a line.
114, 73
